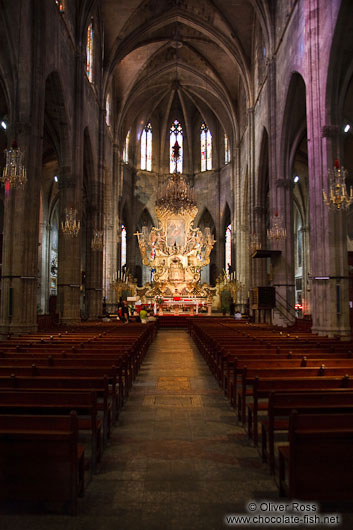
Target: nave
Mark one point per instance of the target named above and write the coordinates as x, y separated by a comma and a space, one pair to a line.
177, 459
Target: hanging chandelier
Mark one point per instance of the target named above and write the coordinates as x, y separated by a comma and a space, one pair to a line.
337, 196
276, 232
176, 196
254, 243
97, 240
14, 171
70, 226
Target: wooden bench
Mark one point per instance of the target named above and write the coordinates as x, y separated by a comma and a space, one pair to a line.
249, 376
236, 367
41, 462
103, 378
280, 405
88, 366
262, 388
318, 462
57, 403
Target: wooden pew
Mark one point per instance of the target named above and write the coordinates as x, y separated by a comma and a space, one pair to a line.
41, 462
263, 362
71, 371
262, 387
249, 376
318, 462
56, 403
281, 404
99, 385
119, 369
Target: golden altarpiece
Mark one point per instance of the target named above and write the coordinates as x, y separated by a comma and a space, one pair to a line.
176, 251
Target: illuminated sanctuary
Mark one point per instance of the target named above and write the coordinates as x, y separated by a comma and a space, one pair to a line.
92, 103
176, 251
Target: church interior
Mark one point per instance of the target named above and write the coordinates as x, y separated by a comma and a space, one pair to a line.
193, 159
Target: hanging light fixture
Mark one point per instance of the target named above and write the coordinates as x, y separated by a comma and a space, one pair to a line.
276, 232
337, 197
70, 226
254, 243
97, 240
14, 171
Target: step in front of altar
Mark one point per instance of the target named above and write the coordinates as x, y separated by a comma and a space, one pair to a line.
173, 321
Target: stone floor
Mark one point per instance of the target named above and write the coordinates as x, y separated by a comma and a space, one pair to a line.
177, 460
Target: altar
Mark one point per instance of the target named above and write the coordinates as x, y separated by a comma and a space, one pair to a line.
179, 306
185, 306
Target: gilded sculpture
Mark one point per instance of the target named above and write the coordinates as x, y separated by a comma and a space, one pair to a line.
176, 251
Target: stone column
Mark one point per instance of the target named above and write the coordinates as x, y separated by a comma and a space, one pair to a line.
20, 244
251, 190
19, 283
280, 198
110, 239
220, 239
282, 266
259, 266
94, 257
328, 232
69, 260
306, 288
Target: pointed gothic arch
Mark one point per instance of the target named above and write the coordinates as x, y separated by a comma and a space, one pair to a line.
55, 180
208, 273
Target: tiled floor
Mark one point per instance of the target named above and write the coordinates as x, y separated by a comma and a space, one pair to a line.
177, 460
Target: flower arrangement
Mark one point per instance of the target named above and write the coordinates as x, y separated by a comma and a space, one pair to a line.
159, 300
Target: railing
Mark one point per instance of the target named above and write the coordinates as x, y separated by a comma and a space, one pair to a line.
287, 311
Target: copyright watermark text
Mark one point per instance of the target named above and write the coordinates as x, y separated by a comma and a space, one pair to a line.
291, 513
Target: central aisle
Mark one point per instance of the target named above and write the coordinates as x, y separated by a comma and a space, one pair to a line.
177, 460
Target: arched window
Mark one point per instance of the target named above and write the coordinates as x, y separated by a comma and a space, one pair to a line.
89, 52
123, 246
126, 149
146, 147
176, 135
226, 150
108, 109
228, 249
206, 147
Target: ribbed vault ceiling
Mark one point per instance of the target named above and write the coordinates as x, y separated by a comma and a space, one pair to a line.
199, 51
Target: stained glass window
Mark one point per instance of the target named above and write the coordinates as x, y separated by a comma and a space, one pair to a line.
89, 52
206, 147
108, 109
60, 4
228, 249
146, 148
176, 135
126, 149
123, 245
226, 150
